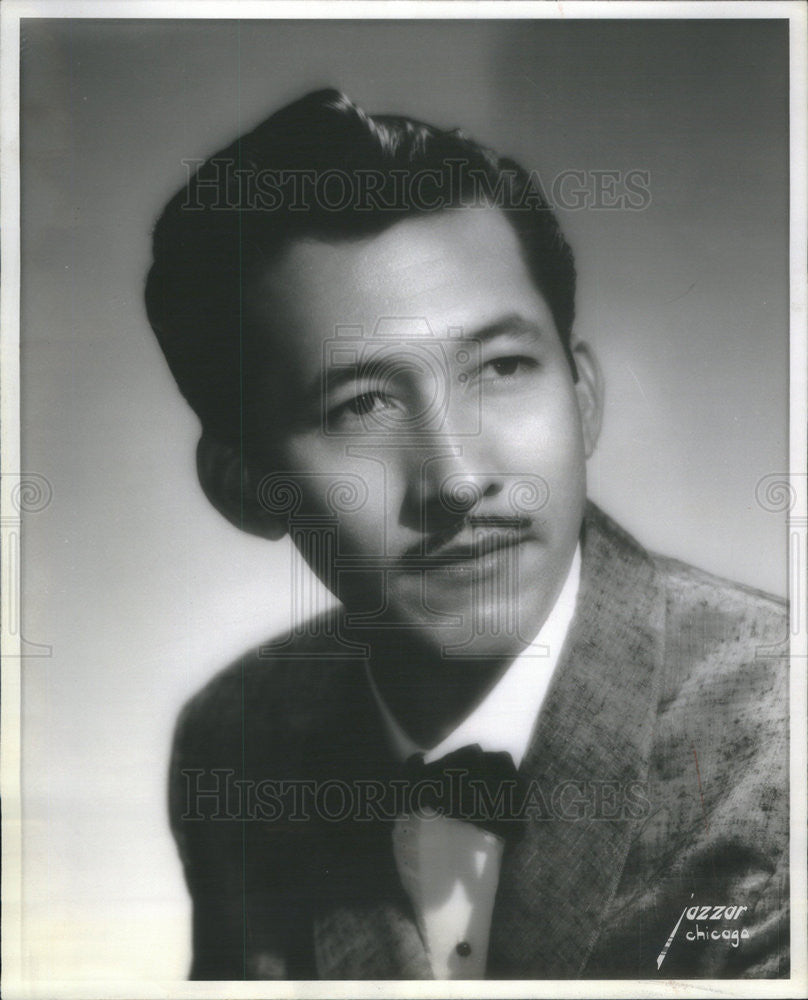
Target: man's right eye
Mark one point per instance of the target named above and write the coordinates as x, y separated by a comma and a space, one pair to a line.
362, 405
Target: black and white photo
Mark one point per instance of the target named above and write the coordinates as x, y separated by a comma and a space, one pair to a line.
408, 524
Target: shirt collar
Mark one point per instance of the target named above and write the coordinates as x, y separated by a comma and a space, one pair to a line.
505, 718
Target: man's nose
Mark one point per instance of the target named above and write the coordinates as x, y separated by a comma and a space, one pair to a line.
448, 481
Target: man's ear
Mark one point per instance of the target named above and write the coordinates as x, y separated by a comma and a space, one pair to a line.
232, 490
589, 390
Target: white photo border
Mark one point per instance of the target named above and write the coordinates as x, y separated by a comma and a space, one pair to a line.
12, 12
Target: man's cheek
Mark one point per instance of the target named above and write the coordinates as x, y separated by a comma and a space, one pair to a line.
363, 536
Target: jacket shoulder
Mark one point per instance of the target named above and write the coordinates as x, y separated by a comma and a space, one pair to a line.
691, 588
719, 630
279, 689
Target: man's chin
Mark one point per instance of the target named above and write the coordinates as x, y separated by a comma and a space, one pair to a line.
454, 622
457, 645
496, 631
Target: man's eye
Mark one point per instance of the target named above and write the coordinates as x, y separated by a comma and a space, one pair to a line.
365, 403
511, 365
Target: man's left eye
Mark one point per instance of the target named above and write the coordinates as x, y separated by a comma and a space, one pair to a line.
511, 364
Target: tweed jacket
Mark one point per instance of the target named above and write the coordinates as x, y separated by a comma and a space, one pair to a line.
659, 842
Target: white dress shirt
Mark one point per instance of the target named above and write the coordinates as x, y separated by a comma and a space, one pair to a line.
448, 867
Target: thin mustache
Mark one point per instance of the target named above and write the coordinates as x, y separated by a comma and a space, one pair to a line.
438, 544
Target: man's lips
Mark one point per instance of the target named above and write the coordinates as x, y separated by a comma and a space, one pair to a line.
476, 539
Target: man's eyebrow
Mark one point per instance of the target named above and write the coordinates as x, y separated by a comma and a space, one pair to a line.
332, 377
513, 325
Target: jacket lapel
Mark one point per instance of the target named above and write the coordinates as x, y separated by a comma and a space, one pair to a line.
592, 741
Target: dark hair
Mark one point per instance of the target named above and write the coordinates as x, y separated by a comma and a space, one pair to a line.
320, 167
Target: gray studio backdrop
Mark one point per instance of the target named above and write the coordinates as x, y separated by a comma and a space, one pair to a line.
138, 588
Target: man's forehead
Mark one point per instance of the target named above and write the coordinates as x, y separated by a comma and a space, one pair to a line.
430, 266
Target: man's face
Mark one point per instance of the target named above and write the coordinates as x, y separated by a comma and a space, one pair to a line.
413, 386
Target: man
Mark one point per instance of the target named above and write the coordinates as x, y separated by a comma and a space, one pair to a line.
524, 747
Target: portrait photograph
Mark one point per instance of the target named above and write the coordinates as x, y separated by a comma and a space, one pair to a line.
403, 499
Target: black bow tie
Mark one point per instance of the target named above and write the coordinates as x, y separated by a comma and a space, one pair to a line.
471, 784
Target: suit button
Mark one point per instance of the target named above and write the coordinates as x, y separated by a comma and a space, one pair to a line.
463, 949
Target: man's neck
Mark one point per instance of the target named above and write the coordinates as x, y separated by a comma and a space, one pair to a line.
428, 693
